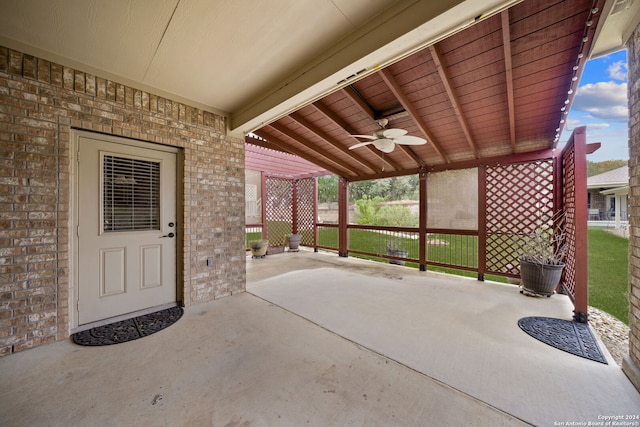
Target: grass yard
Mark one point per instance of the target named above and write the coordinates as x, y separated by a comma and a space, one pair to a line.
608, 267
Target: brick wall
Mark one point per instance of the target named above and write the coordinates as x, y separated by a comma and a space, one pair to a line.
632, 364
598, 201
40, 103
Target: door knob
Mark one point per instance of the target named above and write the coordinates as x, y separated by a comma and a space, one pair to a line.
169, 235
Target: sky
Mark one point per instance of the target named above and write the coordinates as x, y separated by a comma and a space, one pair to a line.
600, 103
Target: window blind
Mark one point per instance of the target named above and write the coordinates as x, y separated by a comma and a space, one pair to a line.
131, 194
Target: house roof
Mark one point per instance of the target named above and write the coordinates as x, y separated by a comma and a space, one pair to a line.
614, 178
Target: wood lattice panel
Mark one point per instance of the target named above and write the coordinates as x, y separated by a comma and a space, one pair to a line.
568, 277
519, 196
279, 209
305, 203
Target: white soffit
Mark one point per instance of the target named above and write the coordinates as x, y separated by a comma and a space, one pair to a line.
251, 60
408, 27
118, 36
621, 17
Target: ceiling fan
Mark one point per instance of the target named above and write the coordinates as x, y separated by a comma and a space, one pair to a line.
385, 140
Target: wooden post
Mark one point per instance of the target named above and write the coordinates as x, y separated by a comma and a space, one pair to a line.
315, 214
294, 206
263, 204
423, 207
482, 221
580, 215
343, 217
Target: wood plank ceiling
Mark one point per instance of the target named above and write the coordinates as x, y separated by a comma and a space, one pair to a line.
497, 89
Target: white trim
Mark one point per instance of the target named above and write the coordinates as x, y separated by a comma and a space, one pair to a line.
74, 155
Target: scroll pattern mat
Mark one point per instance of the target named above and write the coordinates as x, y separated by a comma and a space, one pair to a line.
572, 337
130, 329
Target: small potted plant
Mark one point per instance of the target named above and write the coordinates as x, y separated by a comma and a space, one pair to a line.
259, 248
541, 258
293, 241
394, 249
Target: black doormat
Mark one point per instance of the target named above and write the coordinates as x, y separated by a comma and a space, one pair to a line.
572, 337
130, 329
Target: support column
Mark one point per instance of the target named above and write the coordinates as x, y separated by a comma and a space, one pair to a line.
482, 222
423, 220
294, 206
631, 364
343, 217
315, 214
263, 204
580, 223
616, 214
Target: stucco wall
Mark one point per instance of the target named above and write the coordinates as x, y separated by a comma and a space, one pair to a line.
40, 103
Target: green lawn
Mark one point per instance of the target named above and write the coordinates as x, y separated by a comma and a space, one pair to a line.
608, 279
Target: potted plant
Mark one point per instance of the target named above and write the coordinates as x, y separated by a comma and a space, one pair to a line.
259, 248
394, 249
541, 259
293, 241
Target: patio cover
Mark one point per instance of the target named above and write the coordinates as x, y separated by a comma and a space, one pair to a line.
497, 90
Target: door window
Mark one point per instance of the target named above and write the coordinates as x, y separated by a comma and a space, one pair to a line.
130, 194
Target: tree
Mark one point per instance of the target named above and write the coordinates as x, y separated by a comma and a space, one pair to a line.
327, 188
387, 189
596, 168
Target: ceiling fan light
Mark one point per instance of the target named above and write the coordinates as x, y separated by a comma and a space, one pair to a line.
384, 145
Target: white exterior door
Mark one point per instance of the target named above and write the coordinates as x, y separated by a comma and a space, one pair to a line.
126, 220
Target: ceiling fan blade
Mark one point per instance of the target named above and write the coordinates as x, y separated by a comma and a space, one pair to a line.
393, 133
409, 140
384, 145
372, 137
362, 144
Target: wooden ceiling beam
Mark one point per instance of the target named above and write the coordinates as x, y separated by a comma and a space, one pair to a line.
297, 138
364, 107
412, 154
508, 65
329, 140
283, 146
446, 81
350, 131
395, 88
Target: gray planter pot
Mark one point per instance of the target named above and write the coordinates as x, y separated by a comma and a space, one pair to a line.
540, 279
294, 241
399, 253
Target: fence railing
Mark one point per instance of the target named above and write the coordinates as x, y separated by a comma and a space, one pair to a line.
456, 249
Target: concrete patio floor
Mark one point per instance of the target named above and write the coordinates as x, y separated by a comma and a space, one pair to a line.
322, 340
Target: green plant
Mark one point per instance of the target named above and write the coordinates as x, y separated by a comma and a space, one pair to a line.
368, 210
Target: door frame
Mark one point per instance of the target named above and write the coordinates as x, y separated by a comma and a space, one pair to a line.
75, 136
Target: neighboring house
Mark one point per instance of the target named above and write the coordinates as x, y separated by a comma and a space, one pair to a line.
607, 196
